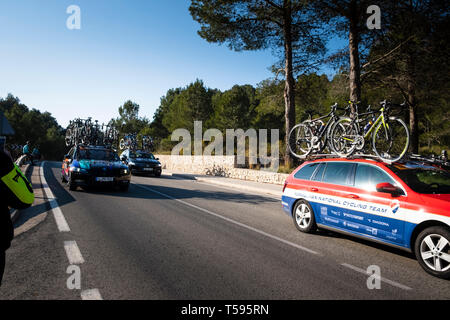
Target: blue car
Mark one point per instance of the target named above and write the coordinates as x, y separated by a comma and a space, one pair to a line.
87, 166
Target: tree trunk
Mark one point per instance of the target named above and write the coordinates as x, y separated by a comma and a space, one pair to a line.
355, 71
289, 88
414, 128
413, 120
411, 96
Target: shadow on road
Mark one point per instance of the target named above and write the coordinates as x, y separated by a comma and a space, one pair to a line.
62, 195
140, 191
330, 234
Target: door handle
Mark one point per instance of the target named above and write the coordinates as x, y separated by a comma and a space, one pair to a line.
353, 196
314, 189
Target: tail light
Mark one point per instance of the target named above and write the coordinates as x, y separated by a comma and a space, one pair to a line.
285, 184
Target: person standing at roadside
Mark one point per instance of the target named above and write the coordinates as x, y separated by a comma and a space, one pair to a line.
16, 192
27, 152
36, 153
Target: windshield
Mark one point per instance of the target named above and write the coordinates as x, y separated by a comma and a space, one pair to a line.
93, 154
424, 179
143, 155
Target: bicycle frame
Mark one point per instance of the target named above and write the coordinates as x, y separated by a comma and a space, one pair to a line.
375, 124
381, 118
330, 115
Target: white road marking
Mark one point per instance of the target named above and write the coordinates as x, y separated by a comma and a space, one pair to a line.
392, 283
73, 253
61, 222
91, 294
232, 221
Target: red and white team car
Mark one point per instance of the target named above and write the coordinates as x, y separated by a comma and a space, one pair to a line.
405, 204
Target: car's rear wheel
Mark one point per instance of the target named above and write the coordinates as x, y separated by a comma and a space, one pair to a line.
303, 216
432, 249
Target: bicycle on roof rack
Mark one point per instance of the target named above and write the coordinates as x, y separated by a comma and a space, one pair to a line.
128, 141
110, 133
88, 132
389, 134
312, 136
147, 143
75, 132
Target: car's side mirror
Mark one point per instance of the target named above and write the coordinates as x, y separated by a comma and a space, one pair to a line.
157, 158
124, 158
387, 187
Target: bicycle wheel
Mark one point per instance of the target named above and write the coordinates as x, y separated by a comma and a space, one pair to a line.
122, 144
69, 138
328, 137
299, 142
343, 136
391, 142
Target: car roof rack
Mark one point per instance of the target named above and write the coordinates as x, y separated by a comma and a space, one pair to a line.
94, 146
441, 161
335, 156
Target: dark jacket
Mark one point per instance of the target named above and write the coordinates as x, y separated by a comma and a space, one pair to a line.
15, 192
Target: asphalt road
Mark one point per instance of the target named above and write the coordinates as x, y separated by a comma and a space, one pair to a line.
175, 239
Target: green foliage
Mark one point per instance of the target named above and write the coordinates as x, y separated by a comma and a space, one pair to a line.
234, 108
269, 113
312, 95
41, 129
193, 103
129, 120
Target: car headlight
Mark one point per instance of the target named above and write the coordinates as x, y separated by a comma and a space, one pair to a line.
78, 169
124, 172
158, 165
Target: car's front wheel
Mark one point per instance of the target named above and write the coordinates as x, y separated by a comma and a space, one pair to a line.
432, 249
71, 184
303, 216
124, 187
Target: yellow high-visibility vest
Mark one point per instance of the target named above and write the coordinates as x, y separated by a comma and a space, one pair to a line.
19, 186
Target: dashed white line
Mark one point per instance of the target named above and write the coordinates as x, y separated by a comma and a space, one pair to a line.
73, 252
91, 294
61, 222
232, 221
392, 283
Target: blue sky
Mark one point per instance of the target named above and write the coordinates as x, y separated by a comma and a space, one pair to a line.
124, 50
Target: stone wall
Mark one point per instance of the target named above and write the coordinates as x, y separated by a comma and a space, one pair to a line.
224, 166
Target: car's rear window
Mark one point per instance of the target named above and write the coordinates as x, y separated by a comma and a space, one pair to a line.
305, 172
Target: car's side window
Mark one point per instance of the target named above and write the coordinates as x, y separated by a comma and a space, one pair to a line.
339, 173
367, 177
306, 172
319, 172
